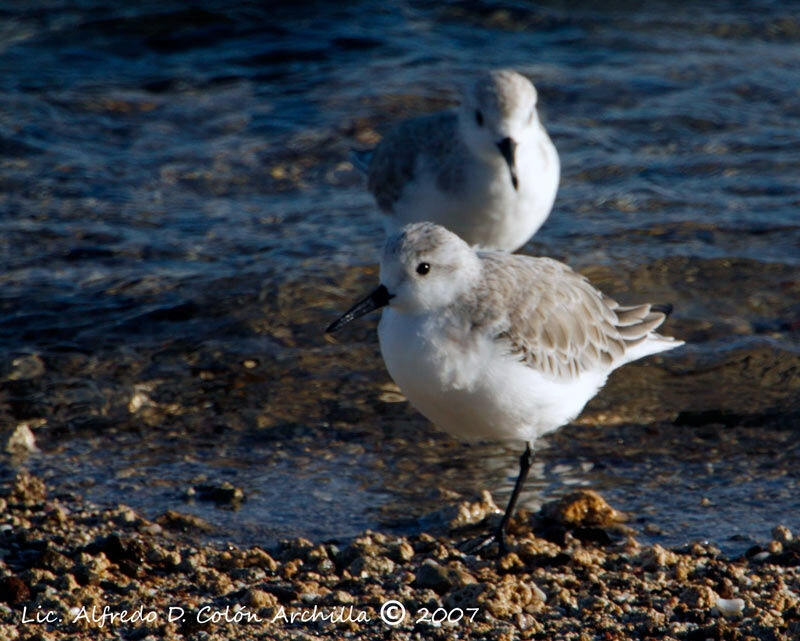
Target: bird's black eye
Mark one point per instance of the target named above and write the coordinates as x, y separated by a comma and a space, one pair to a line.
423, 268
479, 118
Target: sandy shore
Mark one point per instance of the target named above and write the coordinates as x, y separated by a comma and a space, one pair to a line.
575, 571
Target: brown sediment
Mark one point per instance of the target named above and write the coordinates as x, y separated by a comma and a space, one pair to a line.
574, 572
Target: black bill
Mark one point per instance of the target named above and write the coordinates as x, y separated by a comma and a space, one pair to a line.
507, 148
377, 299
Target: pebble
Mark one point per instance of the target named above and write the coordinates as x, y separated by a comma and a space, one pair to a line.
730, 607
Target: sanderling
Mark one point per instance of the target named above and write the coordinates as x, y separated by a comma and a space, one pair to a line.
487, 172
491, 345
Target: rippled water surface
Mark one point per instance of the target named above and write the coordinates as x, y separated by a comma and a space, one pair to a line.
179, 221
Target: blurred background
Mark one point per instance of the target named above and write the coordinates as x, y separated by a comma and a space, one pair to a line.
179, 221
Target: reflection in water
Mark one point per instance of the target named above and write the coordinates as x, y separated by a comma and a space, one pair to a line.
179, 221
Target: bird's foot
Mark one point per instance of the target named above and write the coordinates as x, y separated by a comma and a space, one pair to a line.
486, 544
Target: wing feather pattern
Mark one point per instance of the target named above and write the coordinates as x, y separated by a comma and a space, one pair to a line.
554, 320
431, 139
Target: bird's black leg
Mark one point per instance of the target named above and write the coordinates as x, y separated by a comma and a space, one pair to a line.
524, 467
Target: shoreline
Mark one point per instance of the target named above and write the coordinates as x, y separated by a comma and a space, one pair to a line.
574, 571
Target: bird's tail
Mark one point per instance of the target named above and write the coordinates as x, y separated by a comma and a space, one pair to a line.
636, 326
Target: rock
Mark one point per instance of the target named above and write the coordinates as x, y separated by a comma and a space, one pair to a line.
699, 597
433, 576
782, 534
13, 590
508, 598
298, 548
730, 607
55, 561
371, 566
473, 512
582, 508
67, 583
465, 597
260, 599
21, 440
181, 522
401, 551
775, 547
91, 569
26, 367
159, 556
223, 494
27, 491
588, 557
256, 557
537, 551
657, 558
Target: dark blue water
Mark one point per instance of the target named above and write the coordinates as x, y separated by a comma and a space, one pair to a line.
179, 220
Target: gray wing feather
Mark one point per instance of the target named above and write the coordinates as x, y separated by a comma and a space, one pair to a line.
554, 320
430, 138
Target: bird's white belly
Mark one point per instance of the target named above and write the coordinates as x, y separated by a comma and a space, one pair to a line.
470, 388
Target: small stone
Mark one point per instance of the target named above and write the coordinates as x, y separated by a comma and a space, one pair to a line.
256, 557
67, 583
465, 597
730, 607
582, 508
782, 534
699, 597
13, 590
26, 367
760, 557
259, 599
21, 440
151, 529
181, 522
775, 547
91, 569
656, 558
160, 556
125, 516
401, 551
508, 598
53, 560
433, 576
340, 597
588, 557
27, 491
472, 512
191, 562
534, 549
371, 566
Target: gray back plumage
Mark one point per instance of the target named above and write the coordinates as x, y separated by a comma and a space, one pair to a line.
554, 320
432, 139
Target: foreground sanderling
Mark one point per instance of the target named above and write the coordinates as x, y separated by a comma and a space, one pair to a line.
490, 345
487, 172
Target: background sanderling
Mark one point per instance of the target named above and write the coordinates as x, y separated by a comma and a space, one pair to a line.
488, 171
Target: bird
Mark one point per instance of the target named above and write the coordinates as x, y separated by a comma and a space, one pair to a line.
490, 345
487, 171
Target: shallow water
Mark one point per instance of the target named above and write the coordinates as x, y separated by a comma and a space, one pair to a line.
179, 221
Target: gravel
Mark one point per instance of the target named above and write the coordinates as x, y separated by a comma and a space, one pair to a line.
574, 572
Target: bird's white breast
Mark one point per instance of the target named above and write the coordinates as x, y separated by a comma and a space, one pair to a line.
482, 206
466, 384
